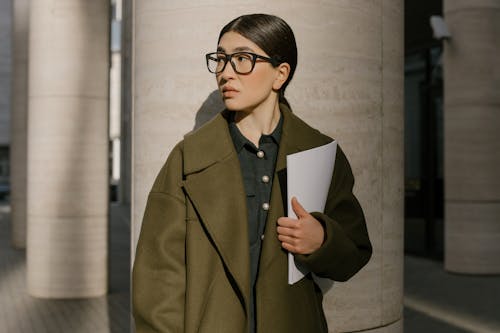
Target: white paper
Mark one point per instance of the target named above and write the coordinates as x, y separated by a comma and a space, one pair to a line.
309, 174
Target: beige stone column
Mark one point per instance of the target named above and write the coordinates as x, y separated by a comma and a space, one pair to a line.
126, 103
68, 148
348, 84
6, 37
19, 121
472, 136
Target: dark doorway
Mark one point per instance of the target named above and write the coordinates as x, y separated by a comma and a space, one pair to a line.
424, 153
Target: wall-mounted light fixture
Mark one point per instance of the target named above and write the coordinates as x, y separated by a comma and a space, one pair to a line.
439, 28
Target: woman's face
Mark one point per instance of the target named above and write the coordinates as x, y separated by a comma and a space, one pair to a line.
245, 92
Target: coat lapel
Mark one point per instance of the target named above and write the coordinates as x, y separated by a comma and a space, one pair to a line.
215, 187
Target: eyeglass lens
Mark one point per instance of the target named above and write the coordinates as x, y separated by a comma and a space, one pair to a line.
242, 62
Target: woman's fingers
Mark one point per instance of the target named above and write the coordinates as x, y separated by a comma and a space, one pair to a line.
287, 222
287, 239
298, 209
286, 231
303, 235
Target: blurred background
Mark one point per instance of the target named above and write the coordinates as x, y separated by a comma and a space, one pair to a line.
94, 94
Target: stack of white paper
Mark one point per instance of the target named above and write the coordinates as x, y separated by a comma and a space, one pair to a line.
309, 174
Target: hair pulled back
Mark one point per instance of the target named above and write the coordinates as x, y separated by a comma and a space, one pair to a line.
273, 35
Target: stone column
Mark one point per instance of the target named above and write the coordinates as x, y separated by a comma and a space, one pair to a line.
68, 149
472, 136
19, 121
348, 84
126, 103
5, 76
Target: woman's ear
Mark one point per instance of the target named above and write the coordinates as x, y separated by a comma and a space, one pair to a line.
283, 73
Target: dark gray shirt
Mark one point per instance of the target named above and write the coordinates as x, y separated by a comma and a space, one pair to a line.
257, 169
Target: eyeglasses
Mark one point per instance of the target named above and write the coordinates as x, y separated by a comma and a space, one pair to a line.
242, 62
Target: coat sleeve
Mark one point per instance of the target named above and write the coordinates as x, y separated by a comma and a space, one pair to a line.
158, 279
346, 248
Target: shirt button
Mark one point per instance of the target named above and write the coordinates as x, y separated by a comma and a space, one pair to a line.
260, 154
262, 237
265, 179
265, 206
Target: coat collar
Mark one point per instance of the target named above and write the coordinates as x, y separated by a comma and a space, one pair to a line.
214, 185
212, 142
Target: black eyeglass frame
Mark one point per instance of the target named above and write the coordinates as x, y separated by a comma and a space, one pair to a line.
228, 57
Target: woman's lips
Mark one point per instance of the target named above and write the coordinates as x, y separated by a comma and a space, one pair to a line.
229, 91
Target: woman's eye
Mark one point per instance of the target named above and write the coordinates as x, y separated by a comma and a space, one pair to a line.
242, 58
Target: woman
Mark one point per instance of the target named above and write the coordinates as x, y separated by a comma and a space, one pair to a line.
212, 254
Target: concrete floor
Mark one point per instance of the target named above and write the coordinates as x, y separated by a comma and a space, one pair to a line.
21, 313
435, 301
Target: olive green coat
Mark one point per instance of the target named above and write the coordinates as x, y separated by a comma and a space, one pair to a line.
191, 271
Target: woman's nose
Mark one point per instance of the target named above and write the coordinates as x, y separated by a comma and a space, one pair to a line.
228, 71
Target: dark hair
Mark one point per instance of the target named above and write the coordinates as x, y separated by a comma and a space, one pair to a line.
273, 35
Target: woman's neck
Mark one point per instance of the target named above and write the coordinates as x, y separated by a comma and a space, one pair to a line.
261, 120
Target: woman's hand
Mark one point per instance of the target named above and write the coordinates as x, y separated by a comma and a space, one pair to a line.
303, 235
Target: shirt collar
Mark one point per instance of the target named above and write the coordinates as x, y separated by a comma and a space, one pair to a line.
239, 140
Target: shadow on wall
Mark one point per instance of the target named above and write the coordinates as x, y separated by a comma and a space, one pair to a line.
209, 109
